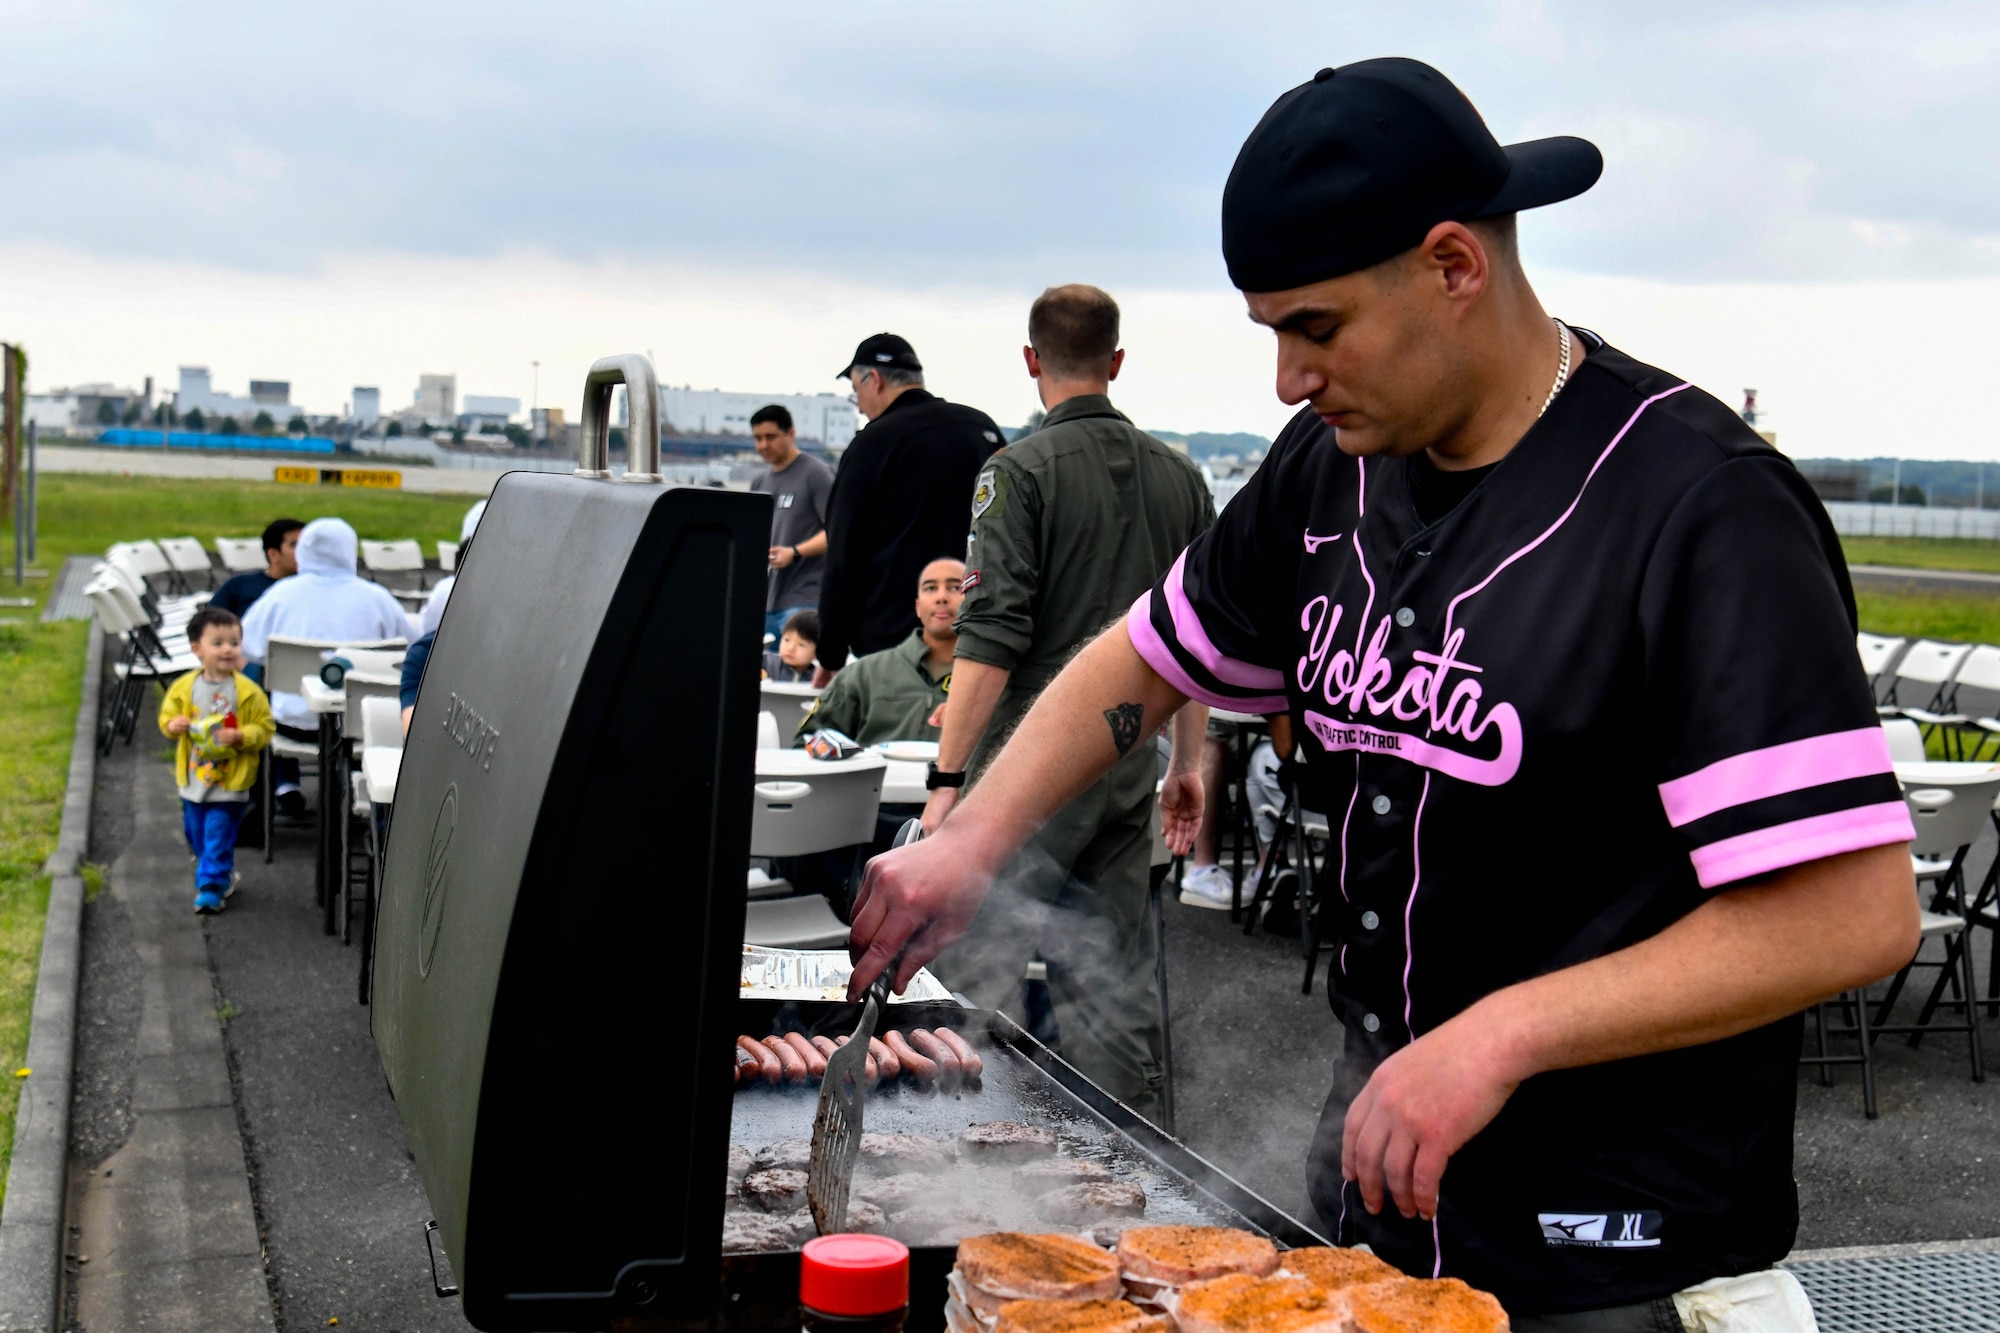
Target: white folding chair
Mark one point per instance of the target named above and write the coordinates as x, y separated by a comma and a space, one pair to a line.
187, 556
1930, 666
1906, 741
286, 662
397, 557
1979, 671
240, 555
448, 557
1948, 819
1878, 653
801, 806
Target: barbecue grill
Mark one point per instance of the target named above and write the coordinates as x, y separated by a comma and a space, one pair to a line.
557, 986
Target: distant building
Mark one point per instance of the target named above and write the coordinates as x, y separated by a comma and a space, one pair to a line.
271, 393
483, 411
829, 418
437, 397
198, 393
545, 425
367, 405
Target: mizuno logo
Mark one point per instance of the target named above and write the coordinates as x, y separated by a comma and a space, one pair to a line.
1608, 1231
1314, 543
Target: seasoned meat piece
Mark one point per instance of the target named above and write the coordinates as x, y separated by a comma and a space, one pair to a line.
894, 1194
751, 1233
1007, 1141
1096, 1201
777, 1190
740, 1163
890, 1154
794, 1153
1064, 1171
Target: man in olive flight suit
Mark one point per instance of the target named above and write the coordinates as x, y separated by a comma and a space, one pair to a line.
1069, 526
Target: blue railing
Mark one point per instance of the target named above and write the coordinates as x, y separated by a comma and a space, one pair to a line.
133, 436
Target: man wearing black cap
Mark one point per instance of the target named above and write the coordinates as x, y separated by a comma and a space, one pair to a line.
1569, 652
898, 501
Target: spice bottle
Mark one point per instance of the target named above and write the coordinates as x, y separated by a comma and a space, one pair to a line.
854, 1284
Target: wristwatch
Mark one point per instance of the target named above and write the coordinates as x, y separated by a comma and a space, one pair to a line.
937, 777
795, 555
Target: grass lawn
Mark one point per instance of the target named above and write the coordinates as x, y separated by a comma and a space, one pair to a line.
42, 667
1924, 552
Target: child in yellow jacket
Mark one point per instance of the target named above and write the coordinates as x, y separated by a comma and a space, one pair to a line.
220, 720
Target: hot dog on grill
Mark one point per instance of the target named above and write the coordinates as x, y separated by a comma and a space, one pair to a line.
892, 1068
767, 1063
748, 1068
815, 1062
968, 1058
827, 1046
920, 1067
793, 1063
949, 1070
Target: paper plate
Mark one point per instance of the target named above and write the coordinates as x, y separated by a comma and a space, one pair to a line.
908, 752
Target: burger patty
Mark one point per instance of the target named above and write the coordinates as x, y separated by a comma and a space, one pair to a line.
741, 1164
779, 1189
1007, 1141
894, 1194
892, 1154
1095, 1201
751, 1233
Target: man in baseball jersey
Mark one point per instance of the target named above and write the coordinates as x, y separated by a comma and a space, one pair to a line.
1569, 653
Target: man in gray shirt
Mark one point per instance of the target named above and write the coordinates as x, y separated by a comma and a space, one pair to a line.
798, 485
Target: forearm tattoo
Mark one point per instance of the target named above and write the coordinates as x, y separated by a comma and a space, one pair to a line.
1125, 720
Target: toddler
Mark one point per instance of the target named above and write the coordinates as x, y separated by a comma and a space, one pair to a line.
797, 647
220, 720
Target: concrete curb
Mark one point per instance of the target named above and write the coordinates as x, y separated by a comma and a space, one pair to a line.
31, 1223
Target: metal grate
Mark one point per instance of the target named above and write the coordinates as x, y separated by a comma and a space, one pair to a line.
66, 599
1905, 1293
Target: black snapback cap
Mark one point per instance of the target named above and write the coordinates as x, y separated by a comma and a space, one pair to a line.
1360, 163
882, 351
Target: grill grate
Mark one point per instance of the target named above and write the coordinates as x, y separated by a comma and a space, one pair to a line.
1905, 1293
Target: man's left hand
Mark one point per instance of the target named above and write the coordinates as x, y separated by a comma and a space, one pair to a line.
1423, 1104
1181, 800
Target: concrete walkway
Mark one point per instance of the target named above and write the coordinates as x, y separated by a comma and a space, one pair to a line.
166, 1233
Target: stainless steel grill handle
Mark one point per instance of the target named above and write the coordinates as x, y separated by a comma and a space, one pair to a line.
642, 397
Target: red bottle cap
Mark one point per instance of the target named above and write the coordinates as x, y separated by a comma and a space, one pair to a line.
854, 1275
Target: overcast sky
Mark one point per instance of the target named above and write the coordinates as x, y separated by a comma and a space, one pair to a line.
1801, 197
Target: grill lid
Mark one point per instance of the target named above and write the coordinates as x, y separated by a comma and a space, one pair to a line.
563, 896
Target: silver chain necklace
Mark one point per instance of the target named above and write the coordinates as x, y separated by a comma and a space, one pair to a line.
1562, 370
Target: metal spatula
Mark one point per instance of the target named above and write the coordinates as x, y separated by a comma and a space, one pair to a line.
843, 1093
836, 1140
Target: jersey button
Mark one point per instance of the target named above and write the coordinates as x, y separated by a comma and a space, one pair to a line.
1371, 1023
1369, 921
1406, 617
1381, 805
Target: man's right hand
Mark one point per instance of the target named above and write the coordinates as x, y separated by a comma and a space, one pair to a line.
916, 901
821, 678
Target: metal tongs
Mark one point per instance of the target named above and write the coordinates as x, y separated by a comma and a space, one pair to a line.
843, 1094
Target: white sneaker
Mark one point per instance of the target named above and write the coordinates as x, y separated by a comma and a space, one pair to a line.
1206, 886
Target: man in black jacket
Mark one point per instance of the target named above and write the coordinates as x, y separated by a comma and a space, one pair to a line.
898, 501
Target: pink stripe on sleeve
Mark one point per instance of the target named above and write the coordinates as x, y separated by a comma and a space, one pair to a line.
1776, 770
1802, 840
1188, 629
1146, 641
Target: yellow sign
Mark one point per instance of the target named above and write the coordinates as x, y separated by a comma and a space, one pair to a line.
382, 479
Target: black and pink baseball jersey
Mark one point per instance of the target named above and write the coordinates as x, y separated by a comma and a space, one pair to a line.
1616, 677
